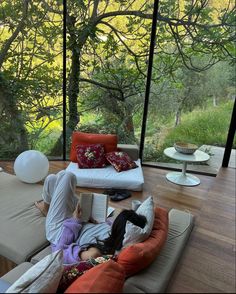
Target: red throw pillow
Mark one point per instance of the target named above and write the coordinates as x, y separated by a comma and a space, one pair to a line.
80, 138
108, 277
138, 256
120, 161
91, 156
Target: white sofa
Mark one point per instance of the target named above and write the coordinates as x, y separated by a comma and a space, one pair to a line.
108, 177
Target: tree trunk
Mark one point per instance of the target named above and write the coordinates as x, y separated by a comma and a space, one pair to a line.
214, 101
177, 117
128, 124
73, 86
73, 91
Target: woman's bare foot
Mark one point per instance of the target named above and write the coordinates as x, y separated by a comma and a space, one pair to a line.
42, 206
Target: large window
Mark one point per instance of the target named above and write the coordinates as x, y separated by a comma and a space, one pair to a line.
104, 47
193, 79
107, 45
30, 76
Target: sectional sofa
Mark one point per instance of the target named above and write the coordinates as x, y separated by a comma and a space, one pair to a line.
23, 238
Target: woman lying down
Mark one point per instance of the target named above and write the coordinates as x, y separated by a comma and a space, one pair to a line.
64, 229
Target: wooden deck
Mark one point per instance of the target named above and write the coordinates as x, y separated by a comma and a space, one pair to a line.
208, 262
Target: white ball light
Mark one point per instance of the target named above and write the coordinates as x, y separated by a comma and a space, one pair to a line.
31, 166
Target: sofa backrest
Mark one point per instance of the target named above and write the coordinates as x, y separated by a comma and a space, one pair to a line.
130, 149
140, 255
79, 138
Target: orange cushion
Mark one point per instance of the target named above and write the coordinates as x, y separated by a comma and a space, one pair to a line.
108, 277
138, 256
109, 142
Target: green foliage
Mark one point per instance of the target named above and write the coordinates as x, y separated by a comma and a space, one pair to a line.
111, 54
46, 142
200, 127
113, 109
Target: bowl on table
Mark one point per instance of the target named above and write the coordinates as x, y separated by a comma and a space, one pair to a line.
185, 148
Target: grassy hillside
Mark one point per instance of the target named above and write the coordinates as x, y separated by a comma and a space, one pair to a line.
209, 126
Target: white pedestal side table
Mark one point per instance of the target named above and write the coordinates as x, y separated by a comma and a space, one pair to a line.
183, 178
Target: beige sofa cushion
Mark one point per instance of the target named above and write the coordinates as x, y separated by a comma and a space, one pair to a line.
16, 272
22, 227
131, 150
37, 257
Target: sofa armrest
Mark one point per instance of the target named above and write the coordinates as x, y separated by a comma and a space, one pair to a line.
4, 285
16, 272
131, 150
36, 258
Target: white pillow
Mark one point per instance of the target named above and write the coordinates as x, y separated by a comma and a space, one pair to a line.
135, 234
43, 277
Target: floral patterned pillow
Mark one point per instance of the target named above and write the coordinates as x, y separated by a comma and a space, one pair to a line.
120, 161
72, 272
91, 156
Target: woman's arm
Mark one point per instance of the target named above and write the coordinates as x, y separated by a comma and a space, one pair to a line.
71, 229
70, 232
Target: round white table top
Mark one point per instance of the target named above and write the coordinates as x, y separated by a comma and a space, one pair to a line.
197, 156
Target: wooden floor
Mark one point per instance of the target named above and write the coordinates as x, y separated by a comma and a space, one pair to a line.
208, 262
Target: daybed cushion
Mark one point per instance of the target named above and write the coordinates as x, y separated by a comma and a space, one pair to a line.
108, 177
138, 256
22, 227
155, 278
109, 141
37, 257
108, 277
16, 272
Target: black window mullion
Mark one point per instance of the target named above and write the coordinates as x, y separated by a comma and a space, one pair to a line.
149, 77
230, 138
64, 77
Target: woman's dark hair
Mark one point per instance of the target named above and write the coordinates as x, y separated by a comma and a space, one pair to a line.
114, 241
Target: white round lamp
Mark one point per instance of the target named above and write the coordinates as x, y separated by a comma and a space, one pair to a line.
31, 166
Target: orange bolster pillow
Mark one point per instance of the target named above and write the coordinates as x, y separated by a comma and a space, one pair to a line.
138, 256
108, 277
109, 142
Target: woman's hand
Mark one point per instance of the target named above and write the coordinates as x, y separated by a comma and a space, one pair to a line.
77, 212
93, 221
